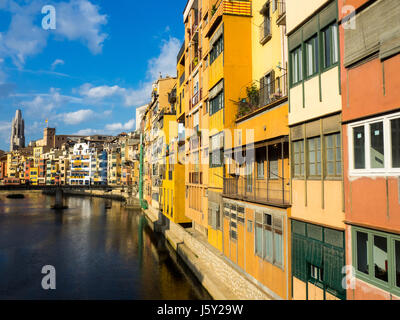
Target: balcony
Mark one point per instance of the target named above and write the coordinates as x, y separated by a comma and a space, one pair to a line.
269, 93
265, 31
281, 20
182, 79
264, 191
196, 177
196, 98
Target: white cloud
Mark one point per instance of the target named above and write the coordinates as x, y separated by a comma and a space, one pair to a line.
76, 117
81, 20
56, 63
43, 104
5, 131
164, 64
77, 20
100, 92
119, 127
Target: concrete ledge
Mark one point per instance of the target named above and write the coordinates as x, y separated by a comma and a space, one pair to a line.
218, 277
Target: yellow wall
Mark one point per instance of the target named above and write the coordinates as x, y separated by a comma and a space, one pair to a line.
299, 10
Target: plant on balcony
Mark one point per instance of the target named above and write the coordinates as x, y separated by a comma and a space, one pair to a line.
195, 61
213, 10
250, 103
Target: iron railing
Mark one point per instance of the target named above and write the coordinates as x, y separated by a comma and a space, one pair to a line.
267, 191
265, 30
281, 8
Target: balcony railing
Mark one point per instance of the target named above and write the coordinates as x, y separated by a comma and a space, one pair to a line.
265, 31
269, 92
266, 191
281, 13
196, 98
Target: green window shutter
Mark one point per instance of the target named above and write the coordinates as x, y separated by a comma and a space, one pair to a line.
334, 261
314, 253
299, 263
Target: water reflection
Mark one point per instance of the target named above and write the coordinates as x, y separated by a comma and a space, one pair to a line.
98, 253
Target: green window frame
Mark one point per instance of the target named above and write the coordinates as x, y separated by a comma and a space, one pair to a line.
217, 103
296, 62
298, 158
314, 157
318, 256
312, 56
333, 155
385, 274
217, 49
330, 40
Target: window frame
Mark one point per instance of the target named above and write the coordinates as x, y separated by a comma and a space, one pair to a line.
387, 138
315, 55
332, 64
370, 278
300, 67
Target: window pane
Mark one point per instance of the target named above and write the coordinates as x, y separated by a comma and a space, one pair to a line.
278, 245
362, 252
395, 131
377, 146
380, 258
328, 48
359, 148
258, 234
268, 245
335, 44
397, 257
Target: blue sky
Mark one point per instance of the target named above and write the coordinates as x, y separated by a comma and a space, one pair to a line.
89, 74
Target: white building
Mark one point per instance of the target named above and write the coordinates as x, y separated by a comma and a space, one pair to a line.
81, 164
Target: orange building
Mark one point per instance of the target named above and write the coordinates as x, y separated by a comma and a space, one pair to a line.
371, 138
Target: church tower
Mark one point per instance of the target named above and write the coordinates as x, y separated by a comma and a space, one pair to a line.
17, 132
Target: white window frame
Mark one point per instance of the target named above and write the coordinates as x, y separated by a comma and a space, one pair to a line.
388, 170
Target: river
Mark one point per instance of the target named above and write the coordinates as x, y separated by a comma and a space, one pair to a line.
99, 249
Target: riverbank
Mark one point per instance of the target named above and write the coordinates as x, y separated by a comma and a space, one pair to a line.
221, 279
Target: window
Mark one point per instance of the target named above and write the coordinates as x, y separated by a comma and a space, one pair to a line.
273, 156
377, 145
316, 273
250, 229
260, 158
362, 252
297, 66
330, 41
359, 148
314, 156
377, 258
374, 146
217, 49
298, 158
269, 238
333, 155
397, 260
380, 254
217, 103
395, 135
312, 61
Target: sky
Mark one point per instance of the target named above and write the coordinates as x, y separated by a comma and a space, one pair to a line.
89, 71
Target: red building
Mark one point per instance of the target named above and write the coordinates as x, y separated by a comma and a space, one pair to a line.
370, 79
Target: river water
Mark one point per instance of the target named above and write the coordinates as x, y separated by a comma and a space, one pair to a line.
99, 249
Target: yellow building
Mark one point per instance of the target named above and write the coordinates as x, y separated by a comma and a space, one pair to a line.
229, 72
256, 195
172, 190
33, 176
318, 250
